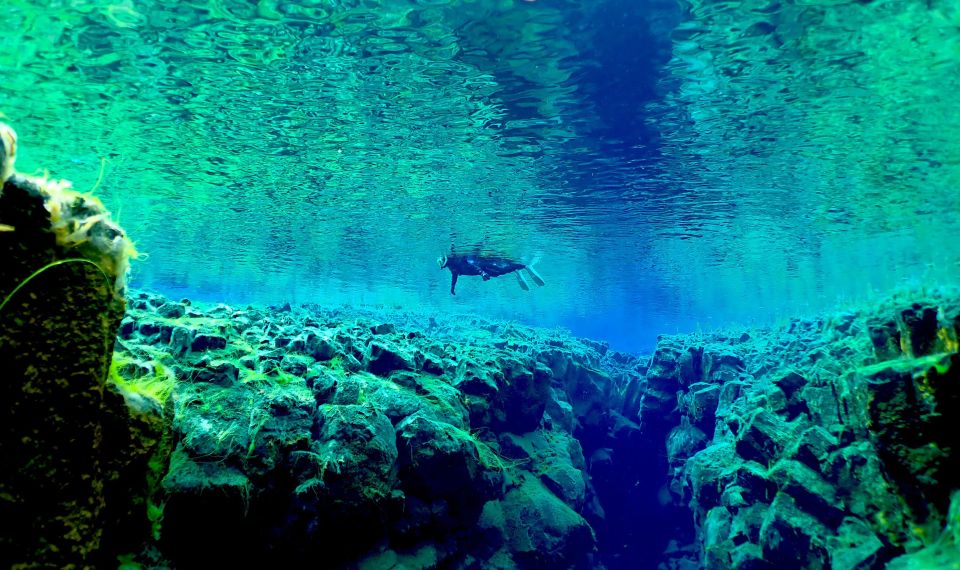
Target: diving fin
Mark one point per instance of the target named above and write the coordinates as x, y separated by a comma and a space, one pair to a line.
535, 276
523, 282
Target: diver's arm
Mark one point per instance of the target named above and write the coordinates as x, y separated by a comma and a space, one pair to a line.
453, 282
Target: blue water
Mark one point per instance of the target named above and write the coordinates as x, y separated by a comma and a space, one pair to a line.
673, 165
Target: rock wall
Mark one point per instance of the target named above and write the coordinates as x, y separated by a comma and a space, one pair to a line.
391, 440
374, 440
71, 448
829, 444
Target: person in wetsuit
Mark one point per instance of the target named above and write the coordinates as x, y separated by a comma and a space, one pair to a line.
487, 268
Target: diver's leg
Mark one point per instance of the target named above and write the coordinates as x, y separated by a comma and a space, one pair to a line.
453, 282
523, 282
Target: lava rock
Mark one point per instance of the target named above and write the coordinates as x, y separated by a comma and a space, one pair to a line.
208, 341
384, 358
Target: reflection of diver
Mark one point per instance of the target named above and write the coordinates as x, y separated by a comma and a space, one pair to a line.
486, 267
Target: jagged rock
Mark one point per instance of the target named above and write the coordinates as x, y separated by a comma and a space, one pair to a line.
701, 403
722, 365
855, 546
521, 396
814, 447
474, 378
383, 328
439, 462
127, 328
810, 492
663, 375
791, 538
171, 310
790, 382
382, 358
148, 328
683, 441
587, 391
691, 364
633, 397
295, 364
943, 552
220, 372
561, 459
885, 337
751, 450
207, 341
911, 407
205, 503
749, 556
822, 405
729, 396
919, 325
560, 411
868, 494
62, 283
181, 339
708, 472
444, 401
716, 537
321, 347
166, 332
764, 437
540, 531
353, 459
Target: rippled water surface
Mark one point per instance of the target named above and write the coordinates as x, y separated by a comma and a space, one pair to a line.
670, 163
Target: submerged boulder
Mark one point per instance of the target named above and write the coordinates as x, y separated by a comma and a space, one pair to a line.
62, 285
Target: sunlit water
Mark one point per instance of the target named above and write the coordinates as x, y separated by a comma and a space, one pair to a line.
672, 164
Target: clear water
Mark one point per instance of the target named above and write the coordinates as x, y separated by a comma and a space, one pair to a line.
672, 164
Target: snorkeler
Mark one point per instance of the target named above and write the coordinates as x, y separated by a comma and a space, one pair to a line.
486, 267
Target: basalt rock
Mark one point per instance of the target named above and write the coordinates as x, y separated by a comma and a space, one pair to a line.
66, 436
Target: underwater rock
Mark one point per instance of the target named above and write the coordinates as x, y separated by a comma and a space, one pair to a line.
382, 358
208, 341
885, 337
663, 375
764, 437
441, 462
848, 460
855, 546
171, 310
790, 537
344, 483
790, 447
507, 393
541, 532
383, 328
181, 340
918, 326
62, 284
701, 402
911, 408
223, 373
205, 503
321, 347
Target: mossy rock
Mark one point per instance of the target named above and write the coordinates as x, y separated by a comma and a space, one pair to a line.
59, 318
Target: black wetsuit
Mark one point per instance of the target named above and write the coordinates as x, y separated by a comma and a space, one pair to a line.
485, 267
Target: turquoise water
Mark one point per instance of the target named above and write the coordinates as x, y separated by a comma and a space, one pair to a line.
673, 165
